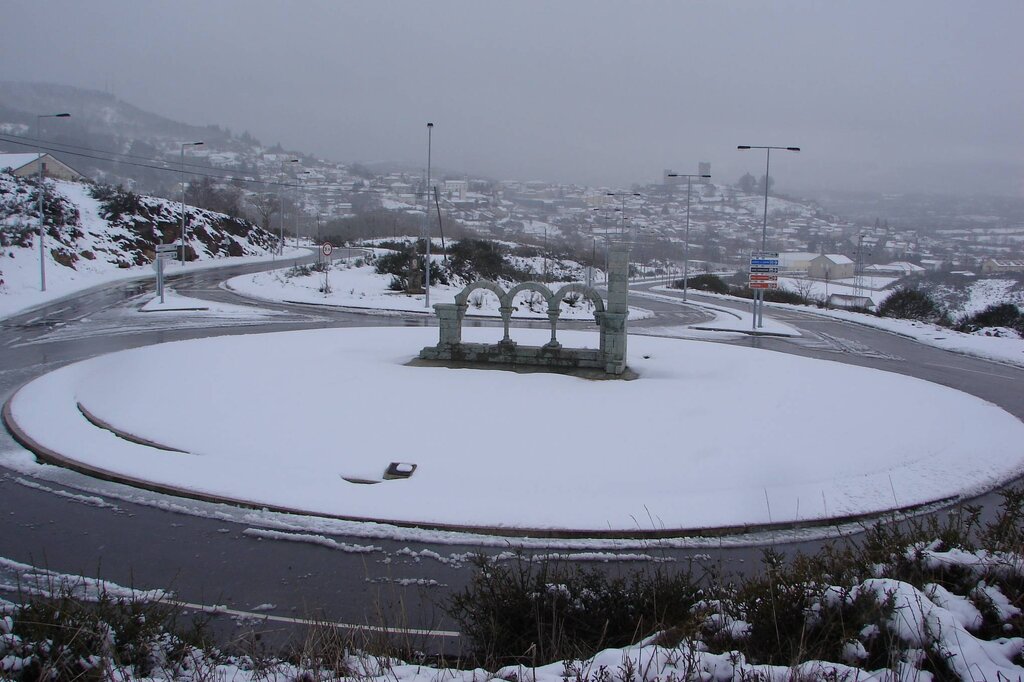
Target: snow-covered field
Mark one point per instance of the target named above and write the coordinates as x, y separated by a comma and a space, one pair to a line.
870, 286
709, 435
355, 284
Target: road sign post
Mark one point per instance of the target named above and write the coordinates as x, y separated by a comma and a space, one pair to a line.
163, 252
762, 275
327, 249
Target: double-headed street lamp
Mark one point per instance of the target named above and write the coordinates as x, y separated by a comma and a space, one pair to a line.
686, 236
767, 165
759, 294
622, 196
42, 218
183, 145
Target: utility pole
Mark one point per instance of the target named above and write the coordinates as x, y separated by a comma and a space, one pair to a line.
426, 223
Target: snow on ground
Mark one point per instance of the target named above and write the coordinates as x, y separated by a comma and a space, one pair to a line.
20, 289
175, 302
870, 286
932, 618
526, 450
355, 284
725, 319
999, 349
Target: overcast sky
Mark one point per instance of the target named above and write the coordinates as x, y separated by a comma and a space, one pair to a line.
881, 95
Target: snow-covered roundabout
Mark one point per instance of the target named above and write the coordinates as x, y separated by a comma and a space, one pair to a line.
709, 436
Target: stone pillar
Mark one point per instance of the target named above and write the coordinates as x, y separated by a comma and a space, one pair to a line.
553, 319
449, 319
506, 318
613, 323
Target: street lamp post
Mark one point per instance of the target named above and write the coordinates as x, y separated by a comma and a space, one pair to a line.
280, 205
607, 240
686, 235
295, 219
426, 223
759, 294
42, 218
183, 145
622, 216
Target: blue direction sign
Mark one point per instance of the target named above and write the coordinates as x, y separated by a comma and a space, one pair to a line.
764, 261
764, 270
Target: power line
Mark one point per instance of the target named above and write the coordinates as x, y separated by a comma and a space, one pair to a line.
51, 147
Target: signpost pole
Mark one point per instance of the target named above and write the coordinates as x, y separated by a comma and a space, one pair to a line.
764, 274
326, 249
163, 252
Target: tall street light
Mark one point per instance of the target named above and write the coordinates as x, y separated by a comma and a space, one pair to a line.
767, 165
183, 145
42, 218
295, 219
426, 223
622, 196
607, 239
280, 205
686, 236
759, 295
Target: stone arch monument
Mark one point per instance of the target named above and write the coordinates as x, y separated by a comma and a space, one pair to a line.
609, 358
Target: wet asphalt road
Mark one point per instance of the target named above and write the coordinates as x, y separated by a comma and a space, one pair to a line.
214, 555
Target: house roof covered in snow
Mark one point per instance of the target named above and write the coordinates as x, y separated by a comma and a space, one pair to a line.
837, 258
16, 161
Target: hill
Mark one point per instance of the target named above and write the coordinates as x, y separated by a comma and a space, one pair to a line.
94, 232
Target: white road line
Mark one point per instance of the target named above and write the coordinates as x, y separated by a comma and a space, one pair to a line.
215, 610
964, 369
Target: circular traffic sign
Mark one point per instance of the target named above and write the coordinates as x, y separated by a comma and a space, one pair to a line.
326, 248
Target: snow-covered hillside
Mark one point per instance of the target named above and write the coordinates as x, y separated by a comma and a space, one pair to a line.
94, 233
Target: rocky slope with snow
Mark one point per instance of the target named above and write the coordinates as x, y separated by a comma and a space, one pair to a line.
93, 231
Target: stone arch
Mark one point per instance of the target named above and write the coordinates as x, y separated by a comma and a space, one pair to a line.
588, 292
463, 297
530, 286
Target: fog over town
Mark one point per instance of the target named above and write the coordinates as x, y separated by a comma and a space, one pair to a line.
572, 341
910, 96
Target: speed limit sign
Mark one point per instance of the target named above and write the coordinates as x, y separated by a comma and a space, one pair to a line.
326, 248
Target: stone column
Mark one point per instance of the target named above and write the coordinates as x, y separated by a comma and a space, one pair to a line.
613, 323
553, 319
506, 318
449, 319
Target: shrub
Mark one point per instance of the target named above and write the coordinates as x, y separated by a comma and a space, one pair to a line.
116, 201
792, 610
397, 263
708, 282
62, 638
477, 258
997, 315
557, 611
784, 296
912, 304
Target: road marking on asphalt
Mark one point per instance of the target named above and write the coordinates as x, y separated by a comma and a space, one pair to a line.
218, 610
975, 371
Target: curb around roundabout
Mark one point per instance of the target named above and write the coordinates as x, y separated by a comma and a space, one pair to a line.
91, 402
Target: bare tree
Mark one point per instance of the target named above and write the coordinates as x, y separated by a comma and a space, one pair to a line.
265, 205
803, 288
